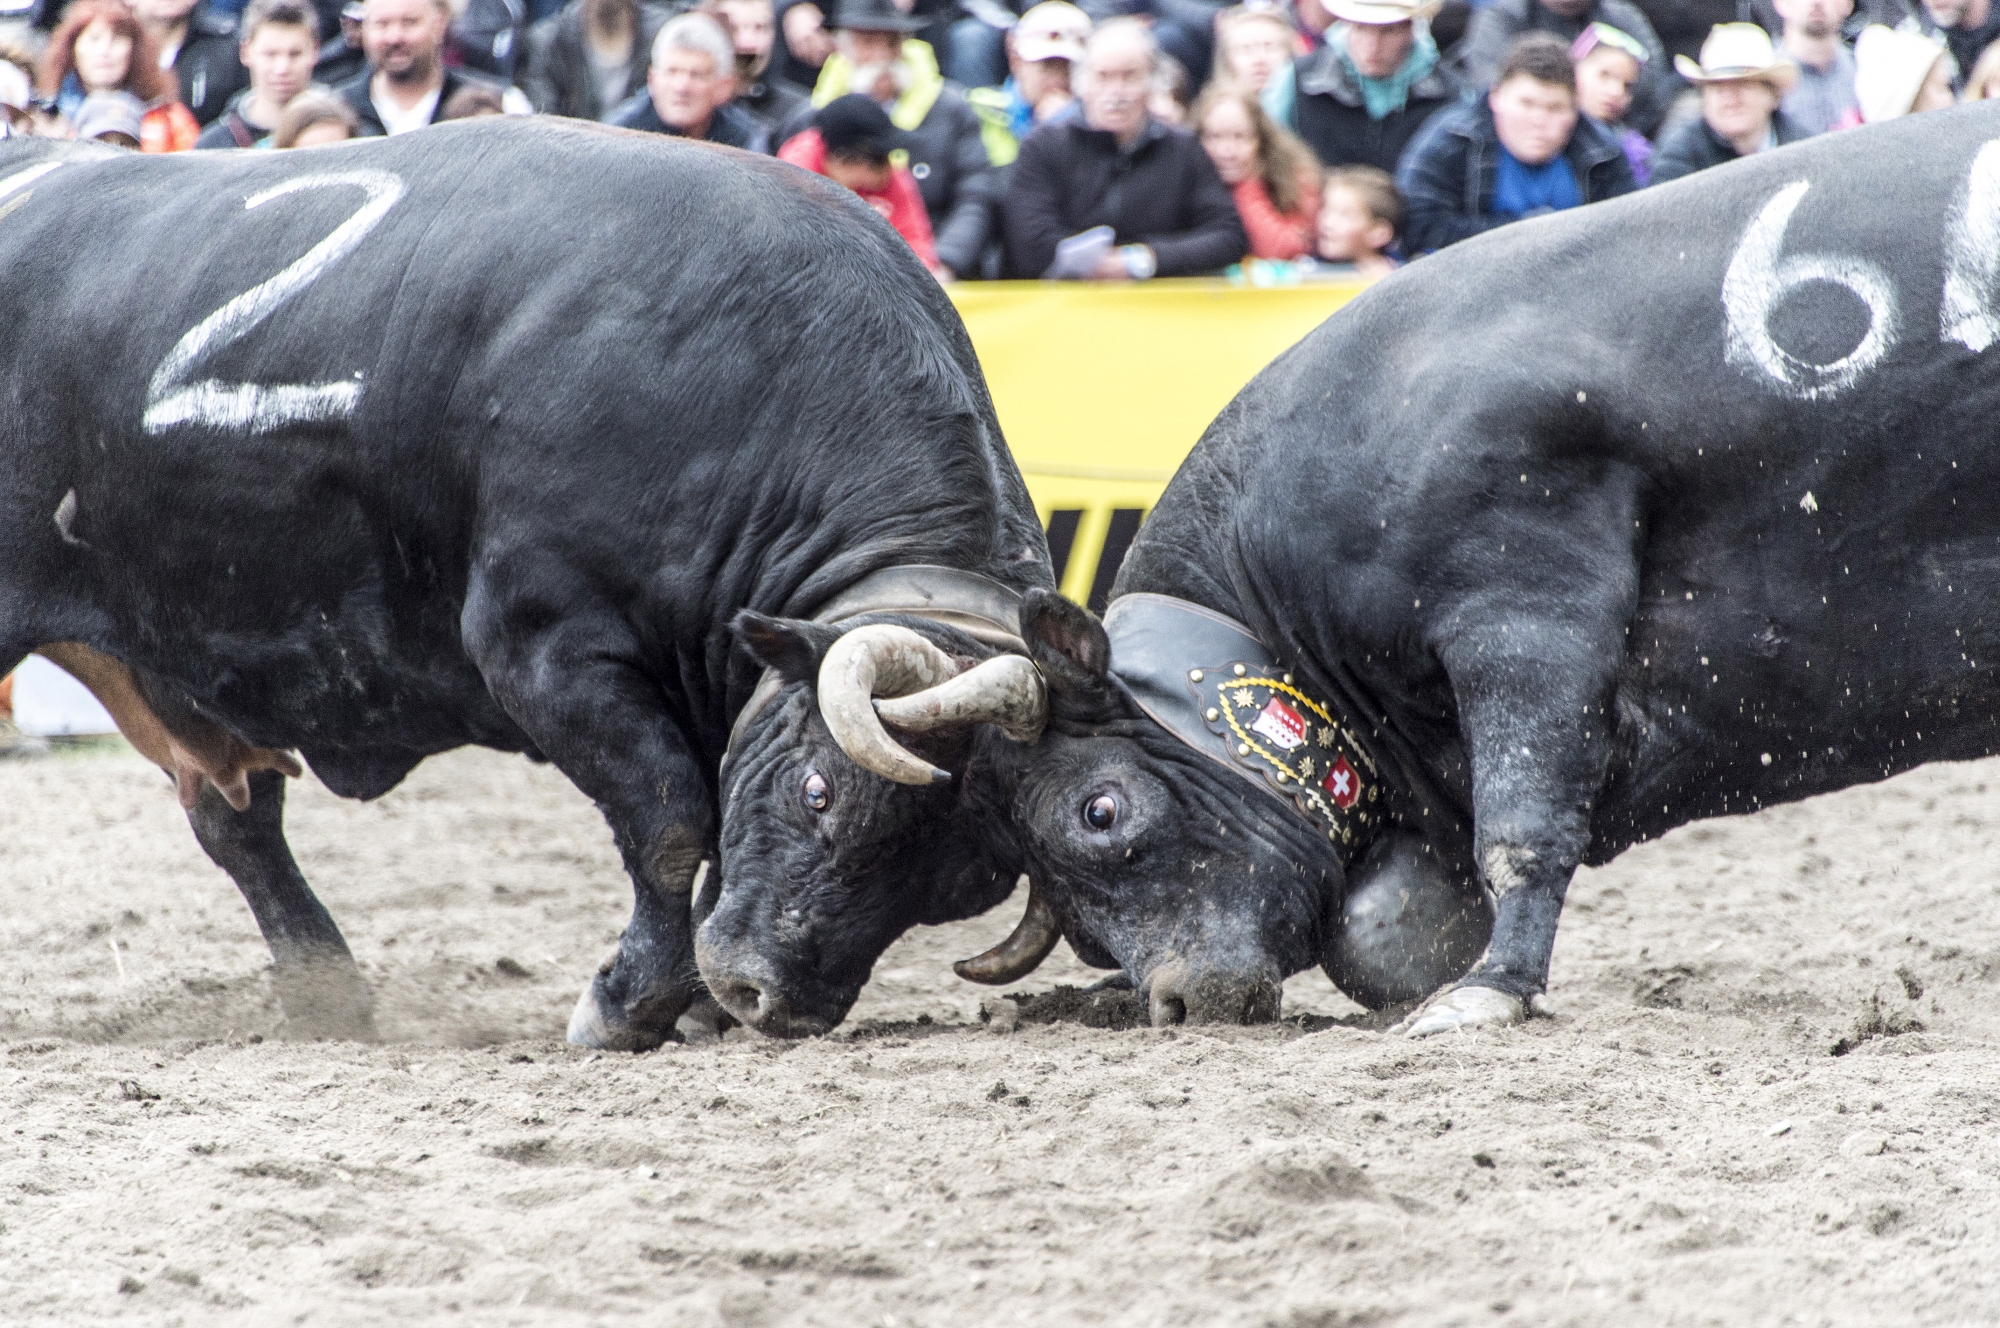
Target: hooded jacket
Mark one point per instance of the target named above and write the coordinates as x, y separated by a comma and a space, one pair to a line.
900, 204
207, 66
1452, 168
949, 160
1161, 192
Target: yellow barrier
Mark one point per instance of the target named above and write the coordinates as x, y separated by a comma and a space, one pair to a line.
1104, 390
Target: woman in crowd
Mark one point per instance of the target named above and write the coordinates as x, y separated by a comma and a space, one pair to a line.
313, 118
1898, 73
1609, 63
100, 47
1272, 175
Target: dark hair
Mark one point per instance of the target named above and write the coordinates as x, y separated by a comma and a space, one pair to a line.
470, 101
144, 78
1376, 190
1542, 58
289, 13
309, 109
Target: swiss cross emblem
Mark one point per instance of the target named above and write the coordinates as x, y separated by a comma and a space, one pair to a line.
1342, 784
1284, 726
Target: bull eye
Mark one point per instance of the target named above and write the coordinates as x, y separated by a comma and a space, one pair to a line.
1101, 812
817, 795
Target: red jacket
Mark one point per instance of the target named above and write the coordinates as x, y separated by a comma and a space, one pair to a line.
900, 204
1275, 234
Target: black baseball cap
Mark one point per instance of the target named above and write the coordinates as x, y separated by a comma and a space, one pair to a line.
858, 125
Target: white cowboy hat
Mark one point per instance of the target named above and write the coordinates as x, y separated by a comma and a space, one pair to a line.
1740, 50
1381, 13
1889, 70
1052, 30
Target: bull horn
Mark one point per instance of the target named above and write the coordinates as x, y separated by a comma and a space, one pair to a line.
1006, 691
1021, 953
880, 657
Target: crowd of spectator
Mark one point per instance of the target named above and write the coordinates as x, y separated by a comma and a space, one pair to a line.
1111, 140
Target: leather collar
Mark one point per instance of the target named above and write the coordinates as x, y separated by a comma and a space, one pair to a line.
977, 605
1208, 680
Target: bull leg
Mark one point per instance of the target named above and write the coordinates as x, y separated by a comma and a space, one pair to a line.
324, 994
566, 680
1534, 669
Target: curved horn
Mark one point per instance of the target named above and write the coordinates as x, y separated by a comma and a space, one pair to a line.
880, 657
1006, 691
1021, 953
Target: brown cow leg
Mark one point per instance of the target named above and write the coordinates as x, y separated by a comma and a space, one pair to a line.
323, 992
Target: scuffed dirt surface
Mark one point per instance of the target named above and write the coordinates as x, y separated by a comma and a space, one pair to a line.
1679, 1145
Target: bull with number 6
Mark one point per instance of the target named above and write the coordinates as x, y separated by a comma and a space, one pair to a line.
1671, 507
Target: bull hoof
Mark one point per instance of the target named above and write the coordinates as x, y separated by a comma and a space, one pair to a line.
589, 1026
330, 1001
1462, 1008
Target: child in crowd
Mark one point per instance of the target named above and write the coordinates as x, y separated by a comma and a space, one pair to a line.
1271, 174
313, 118
1171, 93
1359, 215
100, 47
1898, 73
1609, 63
1252, 46
850, 143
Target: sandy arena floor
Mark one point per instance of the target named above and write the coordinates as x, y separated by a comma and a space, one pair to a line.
1680, 1145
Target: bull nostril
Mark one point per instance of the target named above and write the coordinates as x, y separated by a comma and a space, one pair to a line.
1168, 1011
745, 1000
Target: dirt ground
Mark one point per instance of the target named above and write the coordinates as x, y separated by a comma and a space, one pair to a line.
1767, 1097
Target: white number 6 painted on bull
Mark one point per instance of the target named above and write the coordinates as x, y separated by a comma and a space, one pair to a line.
1760, 277
172, 400
1972, 250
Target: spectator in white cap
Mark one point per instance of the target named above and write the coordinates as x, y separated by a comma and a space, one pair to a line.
1742, 78
1363, 95
1042, 53
1899, 73
110, 117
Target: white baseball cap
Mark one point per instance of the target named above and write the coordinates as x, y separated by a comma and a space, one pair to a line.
1381, 13
1052, 30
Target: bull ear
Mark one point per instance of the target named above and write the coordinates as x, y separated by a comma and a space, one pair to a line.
790, 647
1065, 642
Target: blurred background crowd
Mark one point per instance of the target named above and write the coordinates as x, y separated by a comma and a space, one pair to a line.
1107, 140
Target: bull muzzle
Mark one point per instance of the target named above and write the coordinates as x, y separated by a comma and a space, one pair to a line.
882, 672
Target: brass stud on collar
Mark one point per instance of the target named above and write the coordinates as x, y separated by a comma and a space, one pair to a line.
1240, 670
1288, 680
1195, 676
1213, 714
1242, 749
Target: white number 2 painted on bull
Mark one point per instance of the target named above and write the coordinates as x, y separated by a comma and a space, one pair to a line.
251, 407
1760, 277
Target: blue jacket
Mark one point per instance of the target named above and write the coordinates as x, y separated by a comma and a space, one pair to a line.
1449, 171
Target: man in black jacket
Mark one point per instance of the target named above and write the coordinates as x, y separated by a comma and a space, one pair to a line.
200, 47
689, 86
1361, 97
1154, 187
1521, 151
753, 30
406, 80
589, 58
1742, 78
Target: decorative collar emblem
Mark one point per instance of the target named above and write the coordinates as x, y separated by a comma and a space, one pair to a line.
1271, 727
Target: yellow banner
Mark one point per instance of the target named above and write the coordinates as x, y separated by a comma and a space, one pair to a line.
1103, 390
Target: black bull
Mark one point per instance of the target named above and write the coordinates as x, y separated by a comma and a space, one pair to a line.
1672, 507
486, 435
